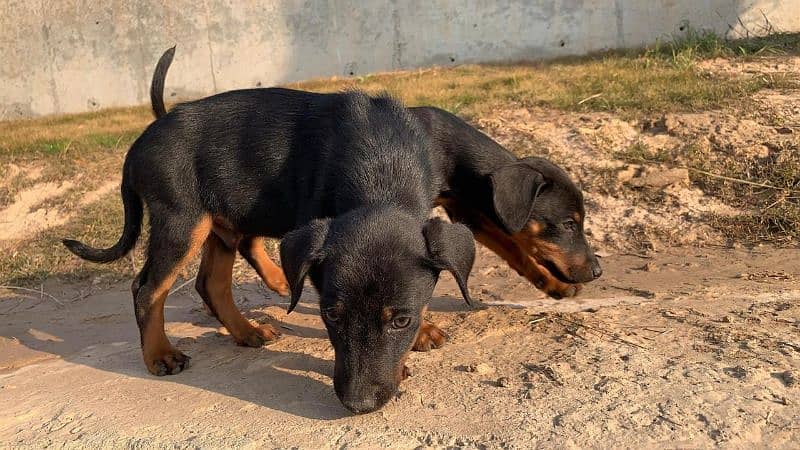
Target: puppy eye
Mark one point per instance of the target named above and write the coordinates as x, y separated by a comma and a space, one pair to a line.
331, 315
570, 225
401, 322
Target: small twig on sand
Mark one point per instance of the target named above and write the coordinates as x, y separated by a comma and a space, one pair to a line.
182, 285
611, 335
667, 419
637, 292
82, 295
40, 291
657, 335
638, 255
287, 327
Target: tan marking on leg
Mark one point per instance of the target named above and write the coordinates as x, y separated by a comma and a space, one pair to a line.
155, 345
215, 288
518, 251
252, 248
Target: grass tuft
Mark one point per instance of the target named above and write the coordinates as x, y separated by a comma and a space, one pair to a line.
684, 49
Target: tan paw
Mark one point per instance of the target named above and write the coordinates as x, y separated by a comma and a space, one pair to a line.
429, 337
167, 362
559, 290
257, 336
278, 284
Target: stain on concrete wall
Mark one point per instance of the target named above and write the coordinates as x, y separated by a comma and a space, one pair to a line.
79, 55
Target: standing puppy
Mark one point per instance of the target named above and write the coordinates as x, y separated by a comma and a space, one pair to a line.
350, 179
526, 210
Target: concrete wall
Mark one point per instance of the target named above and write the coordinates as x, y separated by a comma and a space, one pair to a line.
78, 55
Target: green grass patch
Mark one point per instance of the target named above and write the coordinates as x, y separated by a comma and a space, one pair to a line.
691, 45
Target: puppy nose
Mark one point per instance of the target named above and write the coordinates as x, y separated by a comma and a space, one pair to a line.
360, 405
596, 270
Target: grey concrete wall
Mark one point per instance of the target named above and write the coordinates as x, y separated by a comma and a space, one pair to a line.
78, 55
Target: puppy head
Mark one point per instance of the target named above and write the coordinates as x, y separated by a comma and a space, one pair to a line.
542, 210
375, 272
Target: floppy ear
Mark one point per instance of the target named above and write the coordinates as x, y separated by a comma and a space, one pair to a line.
301, 249
514, 191
451, 247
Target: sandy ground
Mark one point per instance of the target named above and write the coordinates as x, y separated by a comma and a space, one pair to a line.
689, 340
685, 348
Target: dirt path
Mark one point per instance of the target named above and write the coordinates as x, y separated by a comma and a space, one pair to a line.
687, 348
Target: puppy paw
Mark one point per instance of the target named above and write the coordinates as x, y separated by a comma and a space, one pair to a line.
429, 337
257, 336
167, 362
563, 290
276, 282
553, 287
280, 287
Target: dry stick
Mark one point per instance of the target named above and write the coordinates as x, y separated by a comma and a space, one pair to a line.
726, 178
41, 292
612, 335
83, 294
182, 285
589, 98
739, 180
667, 419
780, 200
768, 28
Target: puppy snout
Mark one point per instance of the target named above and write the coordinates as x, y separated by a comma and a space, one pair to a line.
360, 405
365, 399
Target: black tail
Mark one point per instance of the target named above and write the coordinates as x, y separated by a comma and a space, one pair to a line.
130, 232
157, 86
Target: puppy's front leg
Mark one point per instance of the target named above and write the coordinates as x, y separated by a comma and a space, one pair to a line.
429, 335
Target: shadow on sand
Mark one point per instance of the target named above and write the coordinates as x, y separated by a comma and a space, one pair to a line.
99, 331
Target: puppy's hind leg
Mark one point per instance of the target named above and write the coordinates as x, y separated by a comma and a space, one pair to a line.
214, 286
174, 239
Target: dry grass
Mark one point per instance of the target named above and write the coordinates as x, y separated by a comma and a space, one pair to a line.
608, 83
774, 213
87, 148
766, 188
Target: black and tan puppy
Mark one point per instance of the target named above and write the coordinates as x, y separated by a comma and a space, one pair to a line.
350, 179
526, 210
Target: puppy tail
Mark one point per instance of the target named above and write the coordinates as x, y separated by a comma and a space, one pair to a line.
130, 233
157, 85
